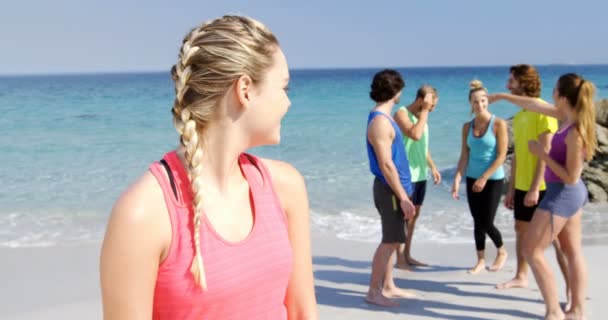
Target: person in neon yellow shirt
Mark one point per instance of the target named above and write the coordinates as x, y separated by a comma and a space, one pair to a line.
526, 184
412, 121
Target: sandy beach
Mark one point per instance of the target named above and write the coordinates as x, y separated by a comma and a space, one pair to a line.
62, 283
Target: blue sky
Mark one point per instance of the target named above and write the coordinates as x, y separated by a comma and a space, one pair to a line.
65, 36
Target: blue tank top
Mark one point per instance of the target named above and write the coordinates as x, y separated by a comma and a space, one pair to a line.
482, 152
398, 155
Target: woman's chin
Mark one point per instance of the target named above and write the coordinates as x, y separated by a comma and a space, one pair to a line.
268, 141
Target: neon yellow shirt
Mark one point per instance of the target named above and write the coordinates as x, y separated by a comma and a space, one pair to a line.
527, 126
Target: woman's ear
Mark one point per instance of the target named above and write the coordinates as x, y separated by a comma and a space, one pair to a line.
244, 88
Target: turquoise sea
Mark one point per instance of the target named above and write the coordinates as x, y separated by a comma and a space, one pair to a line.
69, 144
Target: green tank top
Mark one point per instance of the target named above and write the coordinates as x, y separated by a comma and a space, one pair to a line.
417, 151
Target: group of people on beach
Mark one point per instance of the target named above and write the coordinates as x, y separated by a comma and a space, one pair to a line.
212, 232
545, 190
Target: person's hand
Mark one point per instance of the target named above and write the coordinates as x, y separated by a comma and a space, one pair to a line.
479, 184
428, 102
531, 198
509, 199
455, 187
408, 209
436, 176
535, 147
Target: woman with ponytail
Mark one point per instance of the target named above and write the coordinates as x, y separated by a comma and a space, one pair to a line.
559, 213
211, 232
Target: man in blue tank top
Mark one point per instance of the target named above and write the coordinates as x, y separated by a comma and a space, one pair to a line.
392, 184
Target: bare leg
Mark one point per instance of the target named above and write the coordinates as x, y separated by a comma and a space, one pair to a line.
390, 289
401, 263
411, 225
563, 265
521, 275
379, 266
481, 263
501, 258
570, 239
539, 235
404, 257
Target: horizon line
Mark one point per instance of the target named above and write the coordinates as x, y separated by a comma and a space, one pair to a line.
125, 72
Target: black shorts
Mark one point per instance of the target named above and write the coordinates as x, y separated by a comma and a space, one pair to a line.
391, 216
419, 192
523, 213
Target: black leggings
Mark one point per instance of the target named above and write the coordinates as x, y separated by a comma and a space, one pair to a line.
483, 207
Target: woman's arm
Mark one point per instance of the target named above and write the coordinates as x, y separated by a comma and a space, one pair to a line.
462, 162
291, 189
528, 103
502, 141
130, 256
571, 173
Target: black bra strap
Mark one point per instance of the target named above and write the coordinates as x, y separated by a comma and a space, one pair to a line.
170, 174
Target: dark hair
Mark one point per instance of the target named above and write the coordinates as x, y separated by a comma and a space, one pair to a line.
386, 84
528, 78
422, 91
579, 93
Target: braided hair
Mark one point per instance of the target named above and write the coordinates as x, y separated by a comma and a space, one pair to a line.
212, 57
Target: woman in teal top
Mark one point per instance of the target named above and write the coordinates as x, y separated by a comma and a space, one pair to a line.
484, 149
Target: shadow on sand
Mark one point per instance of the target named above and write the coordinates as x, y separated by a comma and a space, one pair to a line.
346, 298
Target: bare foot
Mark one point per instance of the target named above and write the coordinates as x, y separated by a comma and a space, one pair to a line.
403, 266
574, 315
478, 267
499, 262
376, 297
559, 315
395, 292
413, 262
513, 283
568, 303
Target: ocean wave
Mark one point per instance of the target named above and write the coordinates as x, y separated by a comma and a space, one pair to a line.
441, 221
50, 227
443, 224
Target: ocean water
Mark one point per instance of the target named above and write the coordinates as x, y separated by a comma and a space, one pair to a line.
70, 144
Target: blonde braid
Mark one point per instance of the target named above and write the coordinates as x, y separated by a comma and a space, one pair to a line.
211, 58
186, 127
194, 155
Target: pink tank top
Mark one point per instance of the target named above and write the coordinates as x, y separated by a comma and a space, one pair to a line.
245, 280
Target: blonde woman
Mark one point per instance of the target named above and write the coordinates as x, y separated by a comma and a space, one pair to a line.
483, 152
210, 232
559, 213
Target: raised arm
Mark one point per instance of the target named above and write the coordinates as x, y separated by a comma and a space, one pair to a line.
133, 247
528, 103
414, 131
291, 190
